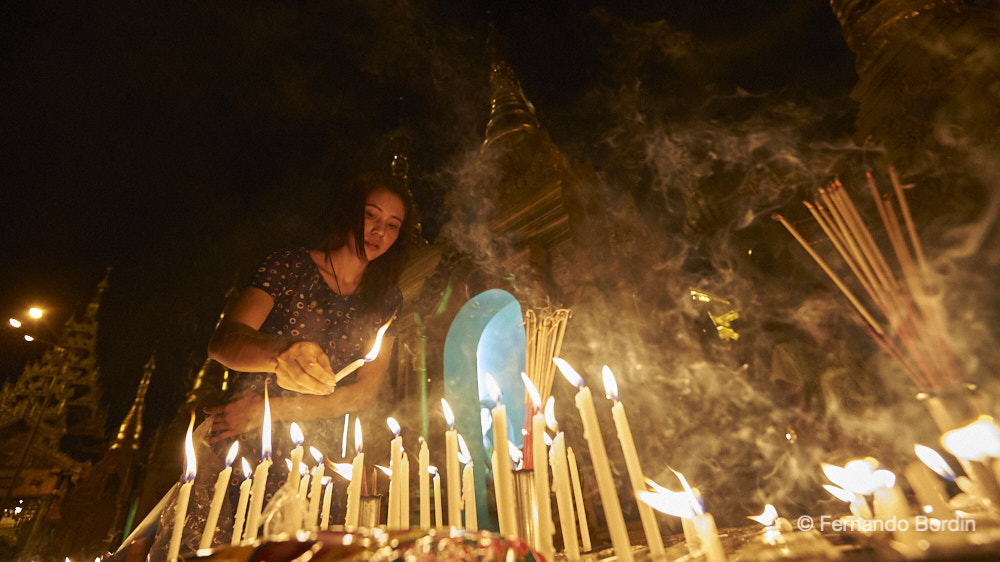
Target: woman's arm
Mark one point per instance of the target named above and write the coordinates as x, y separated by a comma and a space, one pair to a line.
239, 344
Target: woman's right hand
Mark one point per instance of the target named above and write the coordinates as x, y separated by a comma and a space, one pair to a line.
304, 368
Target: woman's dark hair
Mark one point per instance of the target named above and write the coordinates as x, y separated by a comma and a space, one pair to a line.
348, 216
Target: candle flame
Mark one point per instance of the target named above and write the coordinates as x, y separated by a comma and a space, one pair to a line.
449, 417
857, 476
316, 455
515, 454
393, 426
485, 420
767, 518
231, 455
15, 323
464, 456
492, 388
974, 442
385, 469
192, 463
265, 429
840, 493
667, 501
373, 354
532, 390
357, 436
934, 461
569, 372
550, 414
246, 468
343, 469
548, 439
610, 384
302, 469
696, 506
288, 463
297, 437
431, 469
326, 480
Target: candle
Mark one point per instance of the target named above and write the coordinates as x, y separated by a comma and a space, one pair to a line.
221, 484
711, 546
317, 483
395, 448
425, 484
438, 515
451, 466
699, 527
581, 508
646, 515
357, 474
294, 473
926, 484
260, 474
503, 476
184, 494
241, 504
540, 476
561, 484
890, 505
404, 490
468, 487
599, 459
343, 440
327, 502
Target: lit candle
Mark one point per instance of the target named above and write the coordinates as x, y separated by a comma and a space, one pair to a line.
371, 356
241, 504
395, 449
438, 515
646, 515
855, 477
425, 486
184, 494
503, 476
581, 508
687, 506
327, 503
468, 487
317, 483
451, 467
540, 475
926, 484
599, 458
357, 474
561, 484
404, 490
294, 473
259, 487
221, 484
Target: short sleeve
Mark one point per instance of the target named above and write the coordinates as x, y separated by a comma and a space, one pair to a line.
277, 271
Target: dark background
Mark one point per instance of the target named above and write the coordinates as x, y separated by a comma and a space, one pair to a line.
178, 144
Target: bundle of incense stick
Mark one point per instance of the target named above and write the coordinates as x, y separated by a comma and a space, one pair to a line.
544, 330
899, 305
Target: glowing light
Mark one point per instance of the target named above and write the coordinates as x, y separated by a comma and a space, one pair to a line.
357, 436
192, 463
343, 469
857, 475
296, 433
550, 414
767, 518
485, 419
569, 372
516, 456
393, 426
385, 469
975, 442
431, 469
667, 501
840, 493
28, 338
536, 398
464, 456
316, 455
35, 312
246, 468
378, 343
231, 455
449, 416
934, 461
492, 388
548, 439
14, 322
610, 384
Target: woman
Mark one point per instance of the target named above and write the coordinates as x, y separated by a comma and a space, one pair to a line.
308, 313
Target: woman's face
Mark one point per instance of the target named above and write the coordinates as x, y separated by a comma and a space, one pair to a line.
384, 214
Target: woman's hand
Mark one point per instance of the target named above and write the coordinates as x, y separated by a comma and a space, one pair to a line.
243, 413
304, 368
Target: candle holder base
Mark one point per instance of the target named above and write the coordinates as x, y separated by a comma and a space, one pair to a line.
370, 511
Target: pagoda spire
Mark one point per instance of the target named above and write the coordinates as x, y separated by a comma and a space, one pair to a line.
510, 110
131, 427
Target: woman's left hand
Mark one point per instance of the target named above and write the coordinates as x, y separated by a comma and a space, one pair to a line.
243, 413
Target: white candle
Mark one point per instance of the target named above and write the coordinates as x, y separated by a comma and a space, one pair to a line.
357, 474
646, 515
425, 486
503, 476
260, 474
599, 458
241, 505
451, 467
404, 490
438, 515
540, 476
295, 473
221, 485
711, 546
469, 497
581, 508
395, 448
183, 495
317, 483
928, 489
327, 502
561, 485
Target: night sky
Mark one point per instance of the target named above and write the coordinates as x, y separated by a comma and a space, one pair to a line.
178, 144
